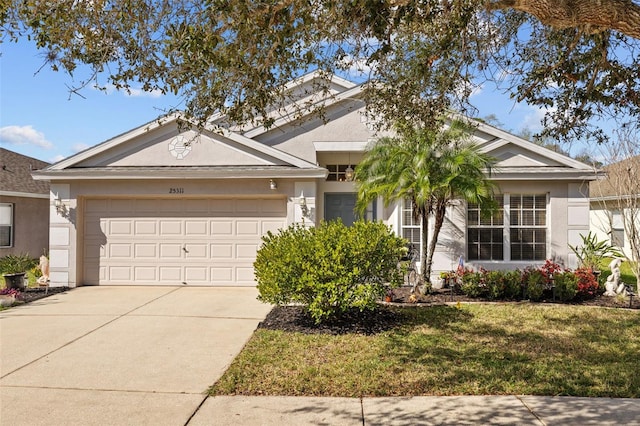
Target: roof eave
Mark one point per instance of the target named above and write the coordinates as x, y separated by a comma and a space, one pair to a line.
115, 174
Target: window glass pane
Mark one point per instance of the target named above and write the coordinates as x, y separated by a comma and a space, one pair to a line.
496, 235
541, 236
540, 252
5, 236
515, 202
541, 201
527, 202
515, 217
527, 218
472, 218
473, 252
6, 211
541, 217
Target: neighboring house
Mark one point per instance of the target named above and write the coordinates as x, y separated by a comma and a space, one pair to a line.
158, 205
24, 206
615, 198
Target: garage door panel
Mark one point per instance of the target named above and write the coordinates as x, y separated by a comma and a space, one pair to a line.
222, 227
146, 228
196, 228
120, 227
244, 275
196, 251
120, 273
120, 250
196, 274
170, 227
170, 251
176, 242
222, 251
144, 250
145, 273
171, 274
246, 252
247, 228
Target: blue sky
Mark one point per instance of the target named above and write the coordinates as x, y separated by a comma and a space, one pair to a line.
40, 118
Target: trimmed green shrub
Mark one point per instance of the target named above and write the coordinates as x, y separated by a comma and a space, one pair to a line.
534, 284
566, 285
513, 285
330, 268
495, 281
473, 284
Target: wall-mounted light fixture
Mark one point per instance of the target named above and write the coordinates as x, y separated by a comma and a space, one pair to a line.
303, 207
59, 205
273, 184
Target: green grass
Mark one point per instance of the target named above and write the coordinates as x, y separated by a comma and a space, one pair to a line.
443, 350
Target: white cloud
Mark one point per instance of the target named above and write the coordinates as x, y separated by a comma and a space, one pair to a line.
533, 119
79, 147
23, 135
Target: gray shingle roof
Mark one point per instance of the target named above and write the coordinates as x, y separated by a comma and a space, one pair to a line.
15, 173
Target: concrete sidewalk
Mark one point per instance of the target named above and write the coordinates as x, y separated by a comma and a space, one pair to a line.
146, 356
455, 410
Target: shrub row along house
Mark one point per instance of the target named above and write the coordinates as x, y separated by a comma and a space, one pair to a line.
166, 205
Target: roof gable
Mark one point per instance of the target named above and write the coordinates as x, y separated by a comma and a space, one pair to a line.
163, 144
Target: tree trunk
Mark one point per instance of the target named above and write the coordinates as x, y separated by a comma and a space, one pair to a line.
440, 212
589, 15
425, 238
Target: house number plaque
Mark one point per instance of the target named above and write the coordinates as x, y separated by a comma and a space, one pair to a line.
176, 190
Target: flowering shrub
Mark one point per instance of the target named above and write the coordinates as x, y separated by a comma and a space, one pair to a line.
548, 270
534, 283
10, 292
588, 286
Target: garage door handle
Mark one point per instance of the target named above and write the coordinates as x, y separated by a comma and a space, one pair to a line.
185, 250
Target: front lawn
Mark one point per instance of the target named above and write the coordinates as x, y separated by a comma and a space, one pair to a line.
470, 349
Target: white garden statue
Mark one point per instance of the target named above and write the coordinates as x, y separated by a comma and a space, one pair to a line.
44, 267
613, 285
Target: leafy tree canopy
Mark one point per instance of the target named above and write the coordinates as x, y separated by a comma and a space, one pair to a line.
578, 58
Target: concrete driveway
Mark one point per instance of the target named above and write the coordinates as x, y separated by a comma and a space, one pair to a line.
120, 355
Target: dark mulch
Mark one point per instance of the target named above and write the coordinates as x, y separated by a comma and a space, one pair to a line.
296, 319
388, 316
440, 296
32, 294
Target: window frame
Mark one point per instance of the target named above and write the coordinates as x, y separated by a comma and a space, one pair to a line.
617, 232
508, 227
415, 225
10, 225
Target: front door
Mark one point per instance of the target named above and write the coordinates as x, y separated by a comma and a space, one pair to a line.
340, 206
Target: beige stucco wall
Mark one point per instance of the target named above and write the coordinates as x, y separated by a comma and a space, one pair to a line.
568, 217
600, 217
347, 124
31, 226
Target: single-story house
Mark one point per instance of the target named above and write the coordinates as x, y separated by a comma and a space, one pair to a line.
24, 206
615, 198
164, 205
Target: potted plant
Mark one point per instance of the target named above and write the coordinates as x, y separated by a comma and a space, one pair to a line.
14, 267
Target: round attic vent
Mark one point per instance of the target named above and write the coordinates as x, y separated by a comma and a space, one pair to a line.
179, 147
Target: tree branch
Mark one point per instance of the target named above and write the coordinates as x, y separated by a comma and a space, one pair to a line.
588, 15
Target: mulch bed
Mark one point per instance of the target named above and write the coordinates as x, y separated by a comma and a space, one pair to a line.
32, 294
388, 315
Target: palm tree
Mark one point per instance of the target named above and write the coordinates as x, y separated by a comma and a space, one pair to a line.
431, 167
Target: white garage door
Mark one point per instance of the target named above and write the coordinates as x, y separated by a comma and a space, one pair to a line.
176, 241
